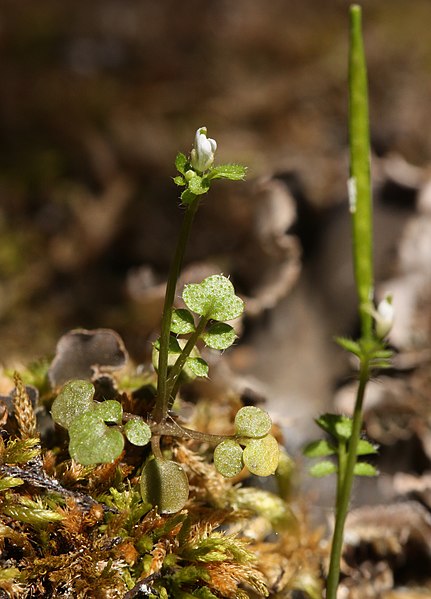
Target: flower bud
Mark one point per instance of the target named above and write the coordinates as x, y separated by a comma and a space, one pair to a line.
202, 155
384, 317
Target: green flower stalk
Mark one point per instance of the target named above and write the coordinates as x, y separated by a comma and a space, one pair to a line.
368, 349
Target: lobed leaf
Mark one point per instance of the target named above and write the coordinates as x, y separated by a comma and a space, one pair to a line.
109, 410
93, 442
75, 397
214, 298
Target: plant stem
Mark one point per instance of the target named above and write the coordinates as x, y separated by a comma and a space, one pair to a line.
346, 486
172, 382
360, 186
161, 407
361, 209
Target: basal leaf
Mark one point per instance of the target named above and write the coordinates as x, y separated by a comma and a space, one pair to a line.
165, 485
109, 410
261, 455
251, 421
138, 432
228, 458
93, 442
74, 398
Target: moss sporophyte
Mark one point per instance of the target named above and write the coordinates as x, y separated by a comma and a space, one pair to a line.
98, 430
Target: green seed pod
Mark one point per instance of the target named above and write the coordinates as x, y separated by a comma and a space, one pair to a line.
252, 422
228, 458
261, 455
164, 484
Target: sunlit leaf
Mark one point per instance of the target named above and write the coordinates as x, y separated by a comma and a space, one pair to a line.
214, 298
251, 421
92, 441
228, 458
219, 336
74, 398
182, 322
261, 455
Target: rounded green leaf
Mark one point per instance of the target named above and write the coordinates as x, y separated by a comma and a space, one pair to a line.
251, 421
138, 432
198, 366
219, 336
228, 458
182, 322
74, 398
323, 468
165, 485
261, 455
109, 410
214, 298
92, 442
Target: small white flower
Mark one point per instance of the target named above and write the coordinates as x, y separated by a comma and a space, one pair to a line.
202, 155
384, 317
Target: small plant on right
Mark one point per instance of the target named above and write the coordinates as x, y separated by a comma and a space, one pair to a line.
371, 351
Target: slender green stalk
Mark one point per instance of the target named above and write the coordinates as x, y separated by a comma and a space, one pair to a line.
161, 407
346, 487
361, 208
172, 382
359, 184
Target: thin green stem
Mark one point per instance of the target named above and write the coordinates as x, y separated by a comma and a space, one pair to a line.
360, 180
161, 407
172, 382
344, 499
342, 463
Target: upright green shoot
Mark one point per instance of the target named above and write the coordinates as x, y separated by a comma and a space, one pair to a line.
370, 349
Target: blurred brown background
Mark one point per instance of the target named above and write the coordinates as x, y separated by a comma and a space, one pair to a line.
97, 97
